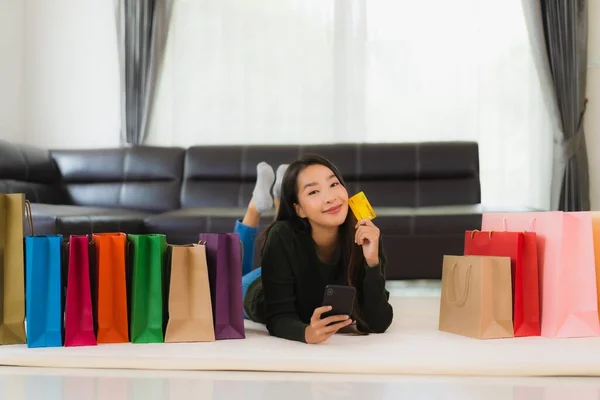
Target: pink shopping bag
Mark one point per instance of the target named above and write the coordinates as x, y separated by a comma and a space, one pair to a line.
567, 275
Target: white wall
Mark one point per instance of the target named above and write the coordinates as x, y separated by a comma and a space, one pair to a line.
63, 71
12, 35
592, 116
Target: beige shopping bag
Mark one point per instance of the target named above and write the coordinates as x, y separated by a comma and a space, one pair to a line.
476, 298
190, 310
12, 268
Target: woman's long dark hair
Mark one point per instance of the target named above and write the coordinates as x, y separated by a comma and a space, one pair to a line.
351, 254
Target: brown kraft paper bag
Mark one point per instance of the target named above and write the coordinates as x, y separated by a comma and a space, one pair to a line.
476, 298
12, 268
190, 316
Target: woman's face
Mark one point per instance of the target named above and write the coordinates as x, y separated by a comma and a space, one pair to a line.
321, 197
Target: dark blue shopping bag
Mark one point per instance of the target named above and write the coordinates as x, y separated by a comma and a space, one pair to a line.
44, 290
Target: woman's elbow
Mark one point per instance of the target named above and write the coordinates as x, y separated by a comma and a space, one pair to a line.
382, 321
381, 326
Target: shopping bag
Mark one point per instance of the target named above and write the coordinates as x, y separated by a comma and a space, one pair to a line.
521, 247
476, 298
12, 268
190, 317
79, 315
224, 256
112, 316
44, 290
147, 260
596, 237
567, 275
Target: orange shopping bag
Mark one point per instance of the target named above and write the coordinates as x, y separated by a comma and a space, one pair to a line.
113, 324
567, 274
596, 237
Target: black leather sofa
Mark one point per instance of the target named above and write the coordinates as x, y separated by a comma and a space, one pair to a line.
426, 194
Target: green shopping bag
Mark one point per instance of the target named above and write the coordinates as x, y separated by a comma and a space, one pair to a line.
147, 260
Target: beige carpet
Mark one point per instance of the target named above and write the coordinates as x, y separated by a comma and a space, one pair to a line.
413, 345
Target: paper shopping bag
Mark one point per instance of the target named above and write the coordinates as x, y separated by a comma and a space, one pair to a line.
12, 268
476, 298
521, 247
112, 316
190, 317
44, 290
596, 237
224, 256
147, 260
567, 275
79, 315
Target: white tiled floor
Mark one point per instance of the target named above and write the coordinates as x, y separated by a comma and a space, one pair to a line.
34, 384
55, 384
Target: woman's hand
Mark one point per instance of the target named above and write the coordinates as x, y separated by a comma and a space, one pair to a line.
367, 236
318, 331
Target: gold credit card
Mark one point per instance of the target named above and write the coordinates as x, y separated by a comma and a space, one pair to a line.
361, 207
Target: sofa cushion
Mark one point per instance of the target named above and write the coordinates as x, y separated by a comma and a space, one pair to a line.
27, 163
142, 178
76, 220
420, 174
392, 175
34, 191
428, 220
183, 226
30, 170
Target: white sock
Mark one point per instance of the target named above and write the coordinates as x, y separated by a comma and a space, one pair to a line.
261, 195
280, 173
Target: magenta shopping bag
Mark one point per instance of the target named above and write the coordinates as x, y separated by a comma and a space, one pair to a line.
224, 259
79, 316
567, 274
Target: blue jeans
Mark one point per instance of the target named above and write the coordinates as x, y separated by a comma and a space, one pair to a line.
248, 238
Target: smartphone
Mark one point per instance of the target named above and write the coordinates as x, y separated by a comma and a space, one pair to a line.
340, 298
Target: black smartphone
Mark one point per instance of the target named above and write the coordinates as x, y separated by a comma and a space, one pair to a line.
340, 298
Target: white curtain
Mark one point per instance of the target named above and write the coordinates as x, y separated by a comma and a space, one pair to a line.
332, 71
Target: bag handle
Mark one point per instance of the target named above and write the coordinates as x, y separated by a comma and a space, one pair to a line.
473, 232
463, 297
530, 229
29, 216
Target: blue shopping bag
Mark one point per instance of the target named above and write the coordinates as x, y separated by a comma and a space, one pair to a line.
44, 290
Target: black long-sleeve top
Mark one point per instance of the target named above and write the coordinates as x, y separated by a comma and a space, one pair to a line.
294, 280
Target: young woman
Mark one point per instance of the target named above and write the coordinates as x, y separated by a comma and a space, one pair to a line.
315, 241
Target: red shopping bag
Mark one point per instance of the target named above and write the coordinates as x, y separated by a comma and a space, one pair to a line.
521, 247
79, 315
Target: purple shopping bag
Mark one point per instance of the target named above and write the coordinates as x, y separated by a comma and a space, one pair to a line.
224, 258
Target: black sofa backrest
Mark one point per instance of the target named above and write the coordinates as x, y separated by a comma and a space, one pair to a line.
158, 179
145, 178
392, 175
30, 170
